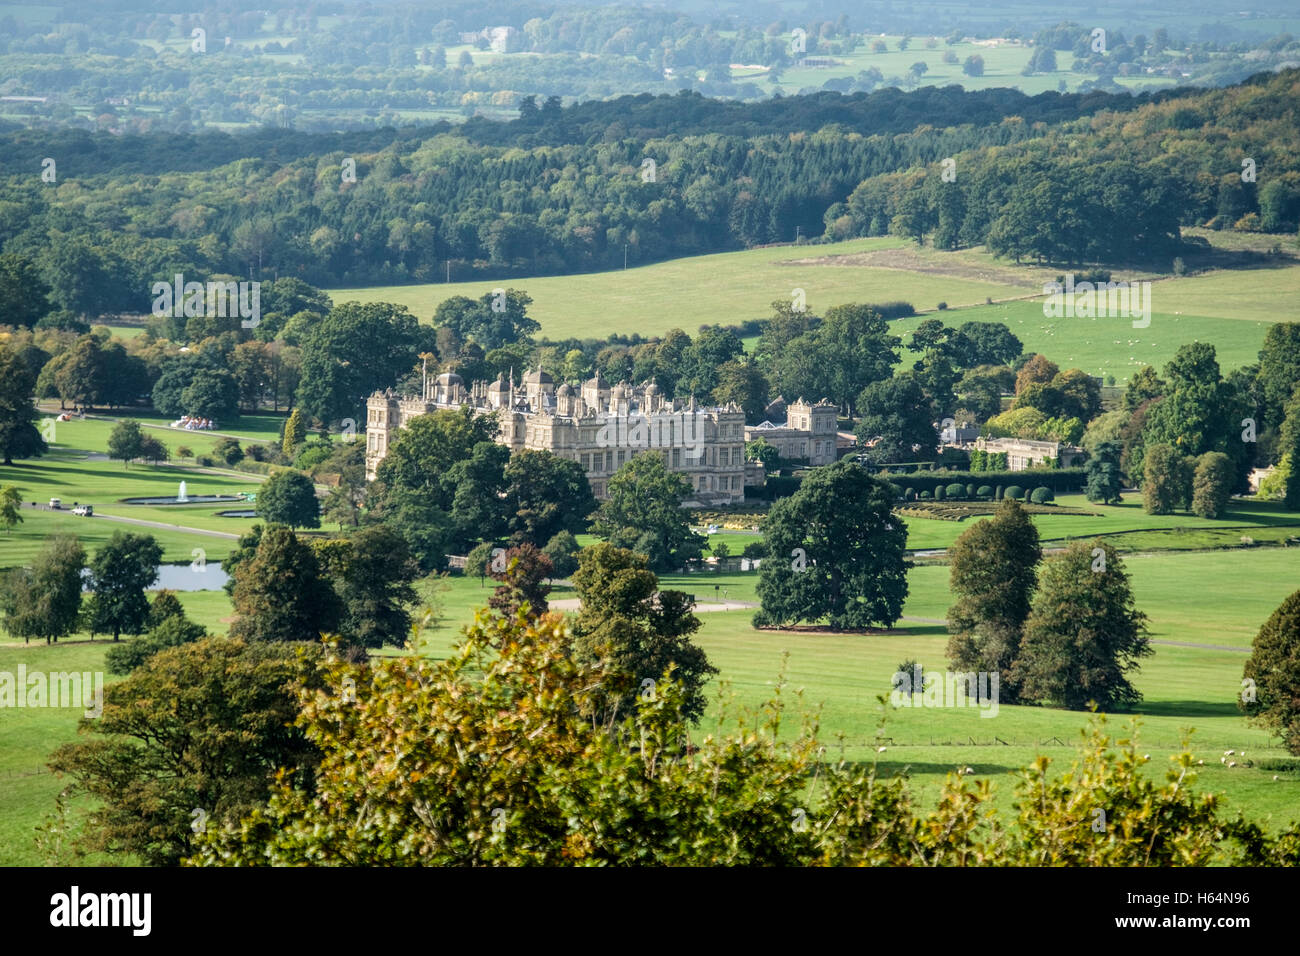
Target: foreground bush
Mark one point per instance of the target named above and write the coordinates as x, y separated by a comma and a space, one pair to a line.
485, 758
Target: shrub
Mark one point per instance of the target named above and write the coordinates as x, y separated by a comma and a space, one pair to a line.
939, 493
185, 451
1041, 495
909, 494
997, 493
943, 306
925, 496
957, 490
205, 460
1014, 492
984, 491
255, 451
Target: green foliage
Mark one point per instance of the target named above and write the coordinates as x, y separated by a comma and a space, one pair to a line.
629, 632
1014, 493
121, 571
280, 592
562, 550
898, 412
203, 726
956, 490
1274, 672
1212, 485
545, 495
1084, 635
19, 436
760, 449
643, 512
1041, 495
993, 576
1104, 478
45, 599
11, 500
295, 432
837, 553
125, 442
172, 631
228, 450
289, 497
523, 588
1165, 487
372, 572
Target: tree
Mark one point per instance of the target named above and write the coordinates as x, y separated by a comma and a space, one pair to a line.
11, 500
289, 497
544, 496
280, 593
212, 393
629, 632
228, 450
974, 65
122, 570
1212, 485
355, 350
295, 433
125, 441
1039, 369
984, 343
1289, 447
562, 550
643, 512
1104, 478
993, 576
1142, 387
898, 413
837, 553
1271, 678
170, 632
19, 436
523, 588
24, 296
1279, 369
761, 450
373, 577
511, 772
203, 726
479, 560
1084, 635
495, 318
1164, 488
45, 599
742, 382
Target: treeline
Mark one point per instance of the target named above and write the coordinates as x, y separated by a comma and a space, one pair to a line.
1101, 187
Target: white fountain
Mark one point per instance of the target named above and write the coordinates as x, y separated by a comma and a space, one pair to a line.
180, 493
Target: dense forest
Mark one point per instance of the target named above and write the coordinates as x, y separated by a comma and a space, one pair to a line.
1063, 179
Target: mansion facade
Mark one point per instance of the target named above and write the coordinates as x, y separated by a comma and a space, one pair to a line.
597, 425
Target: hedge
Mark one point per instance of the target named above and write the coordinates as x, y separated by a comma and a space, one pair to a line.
1058, 481
984, 491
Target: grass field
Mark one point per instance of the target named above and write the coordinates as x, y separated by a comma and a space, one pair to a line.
1232, 309
1205, 598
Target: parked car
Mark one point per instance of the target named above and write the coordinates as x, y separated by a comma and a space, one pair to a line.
84, 511
56, 503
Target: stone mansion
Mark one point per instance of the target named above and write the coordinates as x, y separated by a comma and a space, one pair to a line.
597, 425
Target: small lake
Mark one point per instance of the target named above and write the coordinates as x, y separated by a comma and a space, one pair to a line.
189, 577
186, 577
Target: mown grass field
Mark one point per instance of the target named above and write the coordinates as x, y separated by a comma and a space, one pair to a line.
1212, 598
1231, 308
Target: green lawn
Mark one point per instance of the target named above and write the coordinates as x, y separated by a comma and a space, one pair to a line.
1232, 309
1206, 598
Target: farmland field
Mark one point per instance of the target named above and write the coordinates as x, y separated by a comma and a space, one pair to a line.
1230, 308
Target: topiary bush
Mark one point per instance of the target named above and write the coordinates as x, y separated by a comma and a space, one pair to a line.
997, 493
956, 490
984, 491
939, 494
925, 496
909, 494
1015, 492
1041, 495
971, 493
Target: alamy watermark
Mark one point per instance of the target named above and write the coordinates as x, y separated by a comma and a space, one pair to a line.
684, 430
1087, 300
83, 689
946, 690
219, 299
